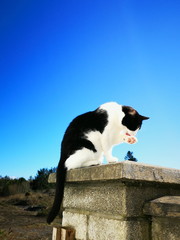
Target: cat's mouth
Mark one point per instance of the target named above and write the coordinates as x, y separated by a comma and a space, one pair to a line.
128, 134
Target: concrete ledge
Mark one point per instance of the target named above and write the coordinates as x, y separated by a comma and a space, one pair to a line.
123, 171
168, 206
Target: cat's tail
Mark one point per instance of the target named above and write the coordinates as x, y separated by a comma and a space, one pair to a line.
60, 182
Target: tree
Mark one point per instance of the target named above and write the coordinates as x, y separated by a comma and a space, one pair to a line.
40, 182
129, 156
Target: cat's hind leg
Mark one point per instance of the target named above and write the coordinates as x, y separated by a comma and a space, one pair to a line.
82, 158
90, 163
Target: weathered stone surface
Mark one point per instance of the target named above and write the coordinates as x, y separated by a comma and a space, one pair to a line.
100, 228
124, 171
106, 202
137, 195
104, 197
168, 206
112, 197
96, 227
165, 228
165, 212
105, 229
78, 222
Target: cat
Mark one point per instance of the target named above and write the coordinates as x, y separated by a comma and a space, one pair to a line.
90, 136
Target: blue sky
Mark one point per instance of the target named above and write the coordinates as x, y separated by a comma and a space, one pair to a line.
62, 58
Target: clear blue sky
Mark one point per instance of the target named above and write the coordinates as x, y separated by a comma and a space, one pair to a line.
59, 59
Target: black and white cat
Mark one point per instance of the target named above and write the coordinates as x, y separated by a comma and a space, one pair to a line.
89, 137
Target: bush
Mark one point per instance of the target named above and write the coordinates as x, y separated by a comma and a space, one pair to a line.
10, 186
13, 186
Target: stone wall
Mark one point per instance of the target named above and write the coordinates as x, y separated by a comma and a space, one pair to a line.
115, 201
165, 213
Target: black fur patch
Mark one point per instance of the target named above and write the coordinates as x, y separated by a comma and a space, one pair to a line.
74, 137
132, 120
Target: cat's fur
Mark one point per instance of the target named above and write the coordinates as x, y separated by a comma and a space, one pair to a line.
89, 137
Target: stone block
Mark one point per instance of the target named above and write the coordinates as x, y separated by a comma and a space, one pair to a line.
101, 228
168, 206
165, 212
165, 228
112, 197
104, 197
95, 226
78, 222
136, 195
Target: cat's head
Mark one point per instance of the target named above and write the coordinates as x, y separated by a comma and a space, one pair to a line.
132, 119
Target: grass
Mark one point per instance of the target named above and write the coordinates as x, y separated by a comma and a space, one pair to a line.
18, 224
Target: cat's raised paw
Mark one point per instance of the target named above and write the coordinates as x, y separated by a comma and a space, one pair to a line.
130, 139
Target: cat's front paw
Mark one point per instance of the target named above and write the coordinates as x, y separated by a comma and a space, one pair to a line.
130, 139
112, 160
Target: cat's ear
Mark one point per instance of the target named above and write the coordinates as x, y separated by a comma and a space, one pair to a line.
129, 110
144, 118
